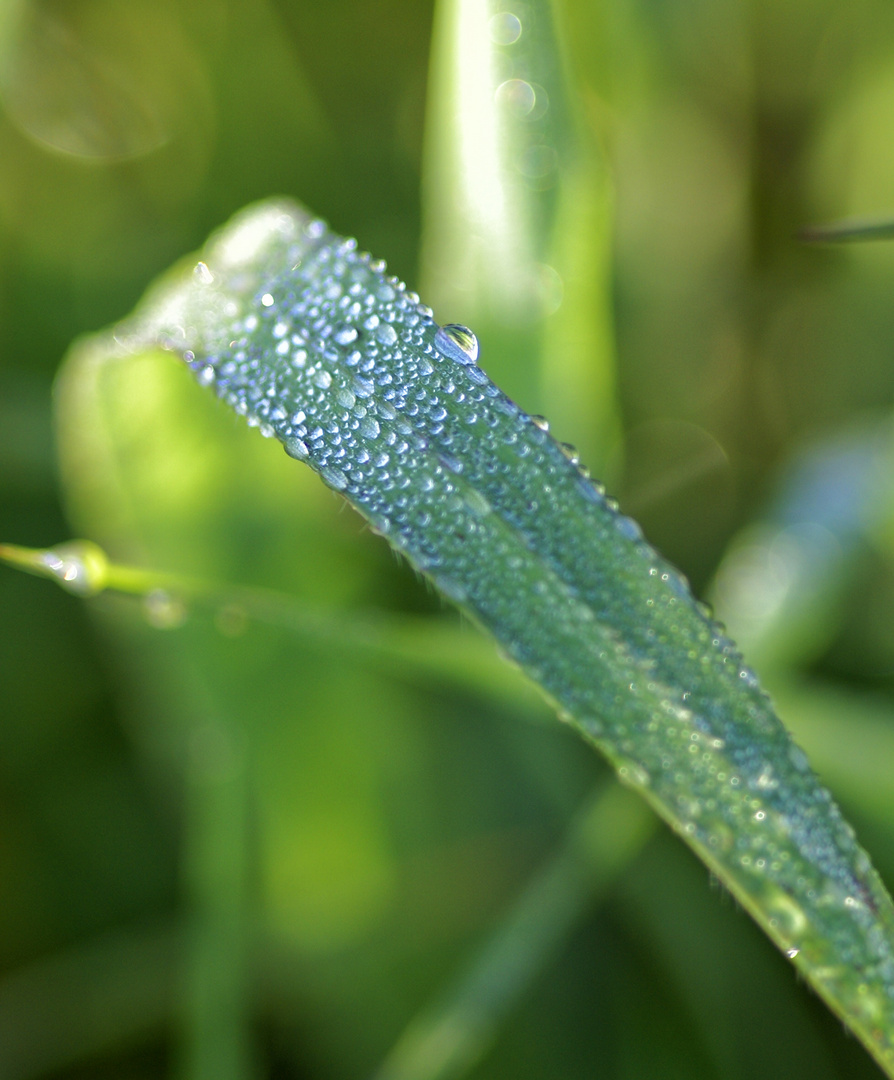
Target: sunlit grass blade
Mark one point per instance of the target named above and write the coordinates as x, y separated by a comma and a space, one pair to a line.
517, 212
311, 342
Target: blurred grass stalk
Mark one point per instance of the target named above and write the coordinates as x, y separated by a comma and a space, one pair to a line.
448, 1039
516, 209
217, 996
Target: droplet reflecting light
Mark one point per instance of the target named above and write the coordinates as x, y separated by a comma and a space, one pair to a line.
458, 343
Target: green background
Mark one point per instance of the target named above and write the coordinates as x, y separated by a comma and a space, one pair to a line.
253, 840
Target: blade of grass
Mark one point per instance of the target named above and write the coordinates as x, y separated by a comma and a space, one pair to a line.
312, 343
517, 208
406, 645
449, 1038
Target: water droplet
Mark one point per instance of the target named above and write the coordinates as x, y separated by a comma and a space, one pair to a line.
206, 375
385, 334
477, 503
345, 335
334, 477
798, 758
267, 299
541, 422
457, 343
505, 28
296, 448
626, 526
369, 427
593, 493
792, 953
202, 274
80, 567
451, 589
323, 379
633, 773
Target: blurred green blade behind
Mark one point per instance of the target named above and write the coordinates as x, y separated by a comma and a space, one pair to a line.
517, 212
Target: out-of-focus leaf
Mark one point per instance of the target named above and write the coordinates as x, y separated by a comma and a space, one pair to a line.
781, 584
68, 1008
517, 212
312, 343
447, 1039
850, 737
95, 80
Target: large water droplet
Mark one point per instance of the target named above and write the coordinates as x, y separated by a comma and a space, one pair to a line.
369, 427
334, 477
202, 274
386, 334
296, 448
80, 567
457, 343
345, 335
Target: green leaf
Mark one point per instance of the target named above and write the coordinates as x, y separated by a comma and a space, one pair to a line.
312, 343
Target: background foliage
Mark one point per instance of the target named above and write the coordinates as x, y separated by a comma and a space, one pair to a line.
181, 875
